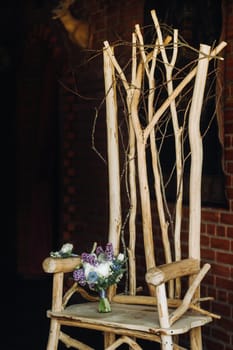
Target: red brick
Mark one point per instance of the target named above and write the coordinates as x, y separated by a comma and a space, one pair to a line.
227, 218
71, 116
66, 180
66, 199
220, 270
230, 192
71, 190
225, 322
71, 172
222, 335
70, 227
212, 292
71, 209
224, 283
205, 241
227, 117
230, 299
220, 243
66, 236
221, 230
203, 227
228, 154
211, 229
224, 258
211, 216
214, 344
207, 254
70, 135
222, 296
71, 154
221, 309
230, 232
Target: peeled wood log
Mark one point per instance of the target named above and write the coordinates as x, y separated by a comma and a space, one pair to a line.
69, 341
159, 112
164, 273
124, 340
195, 140
77, 289
188, 296
53, 265
113, 154
58, 279
132, 180
149, 300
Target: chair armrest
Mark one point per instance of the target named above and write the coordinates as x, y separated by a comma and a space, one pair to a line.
167, 272
53, 265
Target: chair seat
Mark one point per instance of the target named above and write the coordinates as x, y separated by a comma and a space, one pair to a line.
136, 318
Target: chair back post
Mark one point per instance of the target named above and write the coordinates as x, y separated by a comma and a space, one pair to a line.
113, 154
196, 172
196, 148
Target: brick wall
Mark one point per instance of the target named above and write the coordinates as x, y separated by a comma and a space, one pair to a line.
85, 210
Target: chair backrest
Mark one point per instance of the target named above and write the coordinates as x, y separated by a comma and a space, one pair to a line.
153, 117
152, 140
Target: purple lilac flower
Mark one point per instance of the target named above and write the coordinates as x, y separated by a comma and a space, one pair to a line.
109, 251
99, 250
79, 277
89, 258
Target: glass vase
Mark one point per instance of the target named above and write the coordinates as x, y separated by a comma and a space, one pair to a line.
104, 305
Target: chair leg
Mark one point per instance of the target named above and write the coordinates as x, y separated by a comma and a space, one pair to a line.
196, 339
109, 339
53, 335
166, 342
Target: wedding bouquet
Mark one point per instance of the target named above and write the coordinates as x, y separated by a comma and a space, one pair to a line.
99, 270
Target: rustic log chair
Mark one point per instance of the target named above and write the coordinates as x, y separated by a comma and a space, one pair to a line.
154, 316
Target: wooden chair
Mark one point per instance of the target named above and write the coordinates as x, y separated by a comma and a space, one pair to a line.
165, 312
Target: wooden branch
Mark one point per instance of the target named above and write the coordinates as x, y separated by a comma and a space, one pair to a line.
113, 154
159, 47
58, 279
204, 312
189, 294
124, 340
152, 301
132, 267
85, 294
53, 265
169, 66
71, 342
116, 65
132, 180
68, 294
77, 289
164, 273
178, 90
195, 141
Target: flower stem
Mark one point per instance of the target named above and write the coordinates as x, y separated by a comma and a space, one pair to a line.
104, 305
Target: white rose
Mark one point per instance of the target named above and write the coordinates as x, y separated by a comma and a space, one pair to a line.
120, 257
88, 268
66, 248
103, 269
